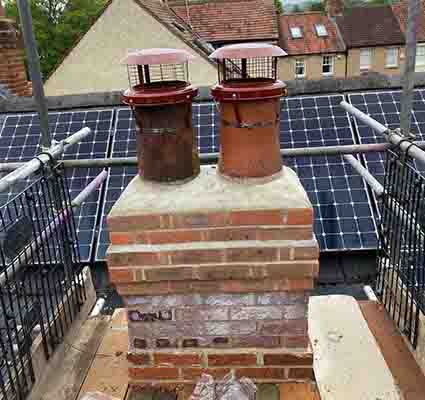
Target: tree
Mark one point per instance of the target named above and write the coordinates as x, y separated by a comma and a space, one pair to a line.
278, 5
57, 25
317, 6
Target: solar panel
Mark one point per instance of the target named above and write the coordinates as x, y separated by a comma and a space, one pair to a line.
385, 108
20, 139
343, 214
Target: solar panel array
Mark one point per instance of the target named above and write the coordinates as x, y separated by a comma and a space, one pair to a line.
343, 209
343, 215
20, 141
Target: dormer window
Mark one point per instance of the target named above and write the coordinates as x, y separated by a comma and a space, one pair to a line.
296, 32
321, 30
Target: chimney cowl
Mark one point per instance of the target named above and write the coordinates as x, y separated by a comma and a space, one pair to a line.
249, 94
160, 97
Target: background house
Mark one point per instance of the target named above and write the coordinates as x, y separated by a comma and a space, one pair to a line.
93, 64
373, 39
400, 11
314, 46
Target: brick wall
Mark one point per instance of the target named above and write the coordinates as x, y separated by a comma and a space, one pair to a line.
12, 67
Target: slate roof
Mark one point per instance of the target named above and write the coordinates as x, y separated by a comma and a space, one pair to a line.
232, 20
370, 26
400, 10
310, 43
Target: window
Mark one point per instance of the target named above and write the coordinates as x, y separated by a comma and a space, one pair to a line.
391, 57
299, 69
365, 58
420, 58
321, 30
296, 32
328, 65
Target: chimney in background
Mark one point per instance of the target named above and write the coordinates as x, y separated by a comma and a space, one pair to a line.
334, 8
13, 74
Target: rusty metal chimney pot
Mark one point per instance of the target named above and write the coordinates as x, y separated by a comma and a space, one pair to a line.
249, 95
160, 97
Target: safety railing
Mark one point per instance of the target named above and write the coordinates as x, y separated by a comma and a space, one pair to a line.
401, 254
41, 280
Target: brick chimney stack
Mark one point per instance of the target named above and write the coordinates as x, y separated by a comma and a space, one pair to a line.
334, 8
13, 74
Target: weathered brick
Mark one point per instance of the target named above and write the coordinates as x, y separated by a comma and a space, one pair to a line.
295, 342
230, 233
252, 254
256, 341
121, 275
229, 299
197, 256
195, 373
225, 328
300, 216
290, 270
236, 359
256, 313
288, 359
157, 274
290, 328
301, 284
139, 358
177, 359
202, 314
301, 374
295, 311
203, 220
264, 374
153, 373
281, 298
307, 253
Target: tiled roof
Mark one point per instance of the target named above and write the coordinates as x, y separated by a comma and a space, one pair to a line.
232, 20
310, 43
370, 26
400, 10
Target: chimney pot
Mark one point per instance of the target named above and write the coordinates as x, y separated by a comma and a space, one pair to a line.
249, 95
160, 98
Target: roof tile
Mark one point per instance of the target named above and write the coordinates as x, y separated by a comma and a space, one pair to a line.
370, 26
400, 10
232, 20
310, 43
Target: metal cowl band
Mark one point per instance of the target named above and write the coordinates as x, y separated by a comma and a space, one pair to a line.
248, 91
138, 96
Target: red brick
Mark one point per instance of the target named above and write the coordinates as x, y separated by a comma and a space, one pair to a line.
173, 236
237, 359
285, 233
177, 359
301, 374
256, 217
265, 373
300, 216
290, 328
196, 256
301, 284
195, 373
252, 254
230, 233
153, 373
119, 238
157, 274
139, 358
121, 275
147, 258
134, 223
203, 220
288, 359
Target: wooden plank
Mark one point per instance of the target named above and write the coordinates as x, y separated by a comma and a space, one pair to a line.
298, 391
108, 372
400, 360
64, 382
